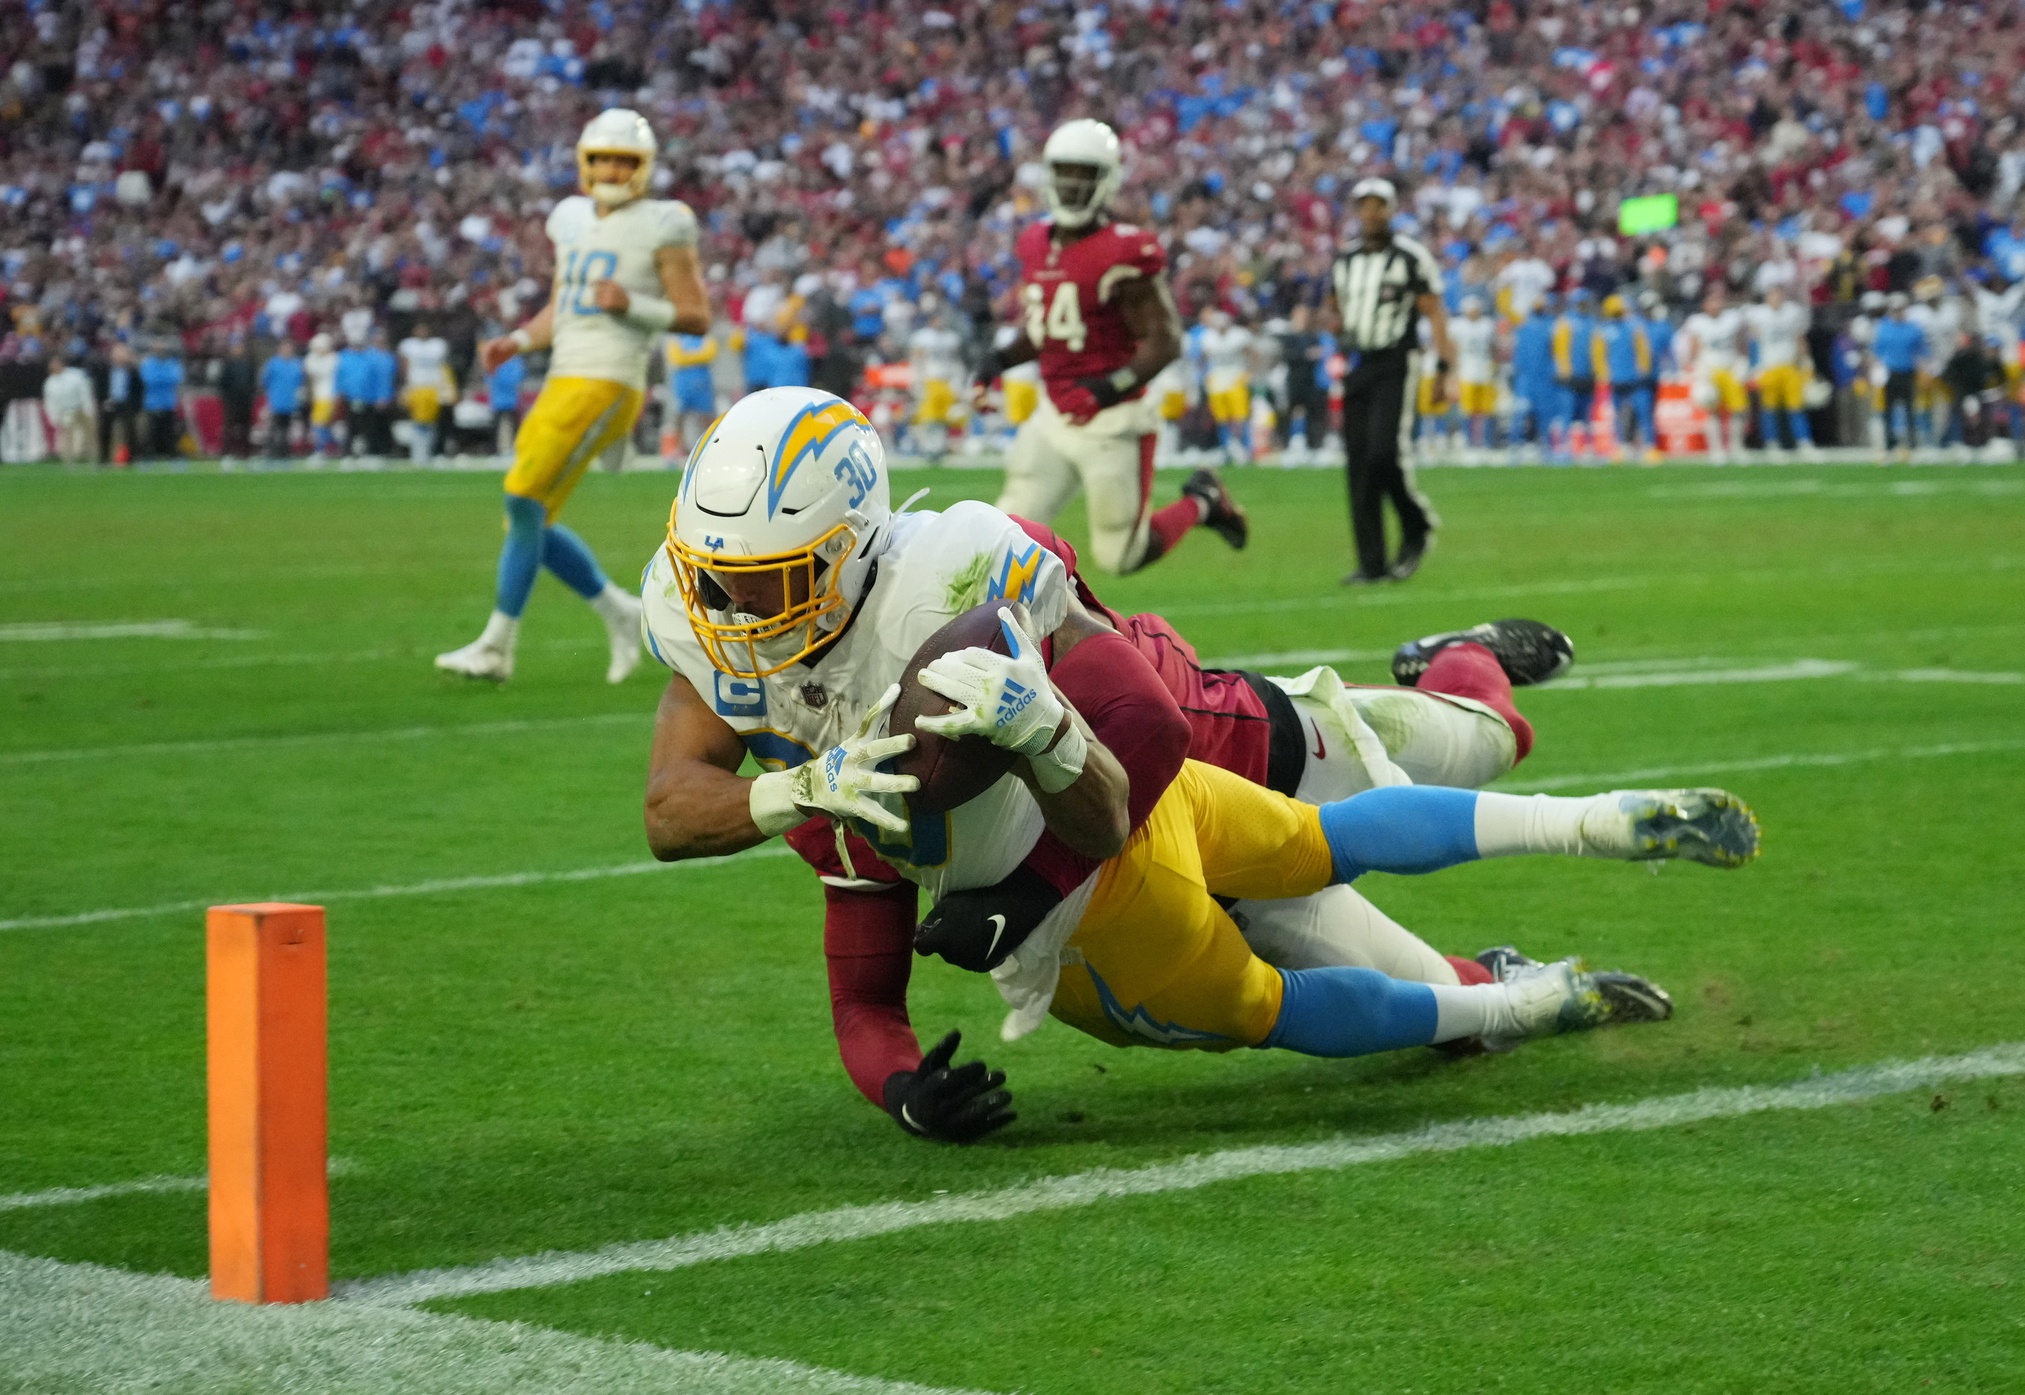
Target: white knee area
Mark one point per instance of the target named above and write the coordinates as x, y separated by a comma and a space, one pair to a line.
1337, 927
1508, 825
1438, 740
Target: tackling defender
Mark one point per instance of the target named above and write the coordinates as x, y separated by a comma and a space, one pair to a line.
790, 597
626, 271
1102, 326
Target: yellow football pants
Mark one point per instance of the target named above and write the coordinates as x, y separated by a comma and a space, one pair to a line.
570, 425
1782, 388
1231, 404
1022, 395
938, 403
1155, 961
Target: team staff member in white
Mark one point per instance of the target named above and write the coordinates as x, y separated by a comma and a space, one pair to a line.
426, 388
626, 273
1383, 284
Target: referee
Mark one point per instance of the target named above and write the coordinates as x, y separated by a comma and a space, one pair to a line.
1383, 284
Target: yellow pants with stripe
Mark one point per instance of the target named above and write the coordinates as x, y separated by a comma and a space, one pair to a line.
1022, 395
1231, 404
938, 403
425, 404
1782, 388
571, 423
1155, 960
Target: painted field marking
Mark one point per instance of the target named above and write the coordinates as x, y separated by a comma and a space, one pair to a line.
1106, 1184
208, 745
377, 893
1657, 673
140, 1186
47, 631
86, 1327
1618, 779
1838, 489
259, 660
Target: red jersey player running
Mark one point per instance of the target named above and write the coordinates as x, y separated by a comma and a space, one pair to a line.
1099, 319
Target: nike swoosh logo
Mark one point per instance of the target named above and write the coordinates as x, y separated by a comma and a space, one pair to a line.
907, 1118
998, 929
1321, 753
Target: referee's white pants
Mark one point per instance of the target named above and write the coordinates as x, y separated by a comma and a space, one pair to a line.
1110, 459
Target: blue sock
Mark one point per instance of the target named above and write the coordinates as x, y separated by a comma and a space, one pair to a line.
567, 555
1401, 828
1351, 1012
1803, 434
520, 554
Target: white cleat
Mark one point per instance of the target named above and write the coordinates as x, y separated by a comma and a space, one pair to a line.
621, 614
478, 659
1709, 826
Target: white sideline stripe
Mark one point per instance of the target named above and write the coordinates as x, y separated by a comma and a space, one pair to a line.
376, 893
1688, 678
1103, 1184
86, 1327
1616, 779
312, 738
47, 630
72, 1196
1746, 489
1657, 673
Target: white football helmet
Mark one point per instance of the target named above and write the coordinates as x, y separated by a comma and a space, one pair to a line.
791, 482
617, 131
1075, 195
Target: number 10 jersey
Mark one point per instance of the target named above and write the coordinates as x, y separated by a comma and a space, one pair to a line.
620, 247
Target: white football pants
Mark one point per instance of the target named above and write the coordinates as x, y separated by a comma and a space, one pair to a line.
1110, 460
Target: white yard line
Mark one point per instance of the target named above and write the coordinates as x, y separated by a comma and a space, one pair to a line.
73, 1196
1617, 779
47, 631
1105, 1184
85, 1327
207, 745
377, 893
1700, 677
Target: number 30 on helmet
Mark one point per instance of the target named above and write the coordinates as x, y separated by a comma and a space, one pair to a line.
790, 484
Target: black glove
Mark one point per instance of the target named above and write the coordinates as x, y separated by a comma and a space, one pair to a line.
979, 929
1108, 388
959, 1105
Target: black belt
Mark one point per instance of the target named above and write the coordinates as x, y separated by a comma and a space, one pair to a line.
1287, 748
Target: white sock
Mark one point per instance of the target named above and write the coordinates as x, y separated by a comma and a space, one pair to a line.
501, 630
1470, 1010
614, 604
1509, 825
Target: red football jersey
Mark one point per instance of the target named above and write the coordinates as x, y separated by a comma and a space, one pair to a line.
1066, 294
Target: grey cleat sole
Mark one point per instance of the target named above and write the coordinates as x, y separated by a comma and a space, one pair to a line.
1712, 827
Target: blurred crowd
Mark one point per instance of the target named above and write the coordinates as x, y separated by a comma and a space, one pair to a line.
204, 179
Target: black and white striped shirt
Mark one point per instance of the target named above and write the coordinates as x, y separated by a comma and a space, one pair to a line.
1376, 288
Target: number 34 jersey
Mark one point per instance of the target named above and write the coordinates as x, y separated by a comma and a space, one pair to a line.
620, 247
1068, 296
937, 566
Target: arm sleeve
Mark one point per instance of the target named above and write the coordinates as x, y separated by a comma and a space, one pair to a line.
868, 941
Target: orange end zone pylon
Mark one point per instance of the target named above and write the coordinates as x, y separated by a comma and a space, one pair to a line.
265, 1019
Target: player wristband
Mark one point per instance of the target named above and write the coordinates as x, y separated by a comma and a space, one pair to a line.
523, 342
1061, 765
650, 312
772, 803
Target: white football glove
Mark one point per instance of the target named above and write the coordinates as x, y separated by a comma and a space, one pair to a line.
1008, 700
839, 783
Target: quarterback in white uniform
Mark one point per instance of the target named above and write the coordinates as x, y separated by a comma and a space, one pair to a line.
626, 273
788, 603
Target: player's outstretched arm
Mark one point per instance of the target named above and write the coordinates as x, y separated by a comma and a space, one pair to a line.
697, 803
681, 275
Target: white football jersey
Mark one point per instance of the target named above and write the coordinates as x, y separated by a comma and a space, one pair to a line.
1778, 333
937, 354
1224, 357
617, 247
1474, 340
321, 370
937, 566
1711, 341
1942, 320
425, 360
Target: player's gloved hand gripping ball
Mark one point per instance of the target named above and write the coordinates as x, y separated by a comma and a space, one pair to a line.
1008, 700
840, 783
959, 1104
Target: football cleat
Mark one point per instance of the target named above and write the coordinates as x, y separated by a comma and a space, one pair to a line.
1221, 514
1549, 999
1409, 559
621, 615
1506, 962
478, 659
1528, 651
1712, 827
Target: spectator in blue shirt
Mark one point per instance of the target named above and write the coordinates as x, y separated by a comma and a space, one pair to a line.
282, 379
502, 390
353, 385
161, 374
1900, 346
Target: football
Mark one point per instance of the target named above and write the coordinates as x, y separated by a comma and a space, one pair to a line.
951, 771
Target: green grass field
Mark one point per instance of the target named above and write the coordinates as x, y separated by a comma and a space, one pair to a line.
566, 1064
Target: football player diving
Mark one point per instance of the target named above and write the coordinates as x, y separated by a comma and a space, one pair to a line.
789, 601
626, 272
